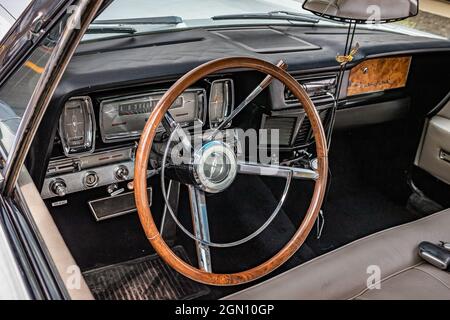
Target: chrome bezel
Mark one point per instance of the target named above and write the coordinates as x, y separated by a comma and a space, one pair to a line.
231, 104
128, 136
78, 151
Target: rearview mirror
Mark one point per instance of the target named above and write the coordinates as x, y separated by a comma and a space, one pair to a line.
363, 11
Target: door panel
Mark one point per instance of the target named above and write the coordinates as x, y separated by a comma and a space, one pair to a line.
434, 153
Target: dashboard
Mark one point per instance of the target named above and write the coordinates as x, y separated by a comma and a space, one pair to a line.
98, 134
101, 108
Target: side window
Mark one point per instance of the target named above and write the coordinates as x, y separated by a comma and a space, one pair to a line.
6, 21
17, 91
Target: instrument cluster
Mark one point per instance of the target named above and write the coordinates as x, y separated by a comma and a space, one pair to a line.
123, 118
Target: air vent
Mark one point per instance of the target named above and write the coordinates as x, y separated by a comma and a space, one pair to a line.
305, 134
285, 125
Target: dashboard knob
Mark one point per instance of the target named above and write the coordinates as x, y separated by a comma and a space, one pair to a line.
122, 173
59, 187
91, 179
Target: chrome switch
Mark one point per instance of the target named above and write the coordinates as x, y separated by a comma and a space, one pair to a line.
122, 173
59, 187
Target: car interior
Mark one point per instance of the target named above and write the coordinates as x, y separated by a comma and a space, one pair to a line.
385, 116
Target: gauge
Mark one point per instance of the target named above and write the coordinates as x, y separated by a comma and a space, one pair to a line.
77, 126
221, 101
124, 118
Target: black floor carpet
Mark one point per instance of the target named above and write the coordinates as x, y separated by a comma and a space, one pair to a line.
361, 202
355, 210
148, 278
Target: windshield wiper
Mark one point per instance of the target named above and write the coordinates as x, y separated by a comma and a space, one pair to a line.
274, 15
102, 30
141, 21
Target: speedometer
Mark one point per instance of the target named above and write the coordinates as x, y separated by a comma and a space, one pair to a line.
124, 118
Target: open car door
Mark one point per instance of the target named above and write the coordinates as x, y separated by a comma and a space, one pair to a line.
33, 56
433, 155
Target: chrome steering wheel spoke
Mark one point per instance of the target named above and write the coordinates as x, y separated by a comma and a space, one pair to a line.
260, 88
257, 169
201, 227
172, 127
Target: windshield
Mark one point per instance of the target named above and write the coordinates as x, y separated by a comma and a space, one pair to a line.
180, 14
130, 17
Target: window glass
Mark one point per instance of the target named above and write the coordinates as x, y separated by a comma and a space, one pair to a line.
17, 91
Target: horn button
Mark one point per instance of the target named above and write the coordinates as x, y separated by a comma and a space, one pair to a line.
215, 167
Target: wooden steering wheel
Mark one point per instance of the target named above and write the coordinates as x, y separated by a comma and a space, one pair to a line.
160, 116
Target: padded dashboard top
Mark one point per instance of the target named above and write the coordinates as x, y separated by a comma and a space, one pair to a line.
266, 40
111, 63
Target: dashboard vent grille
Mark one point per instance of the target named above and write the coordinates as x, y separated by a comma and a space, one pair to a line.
305, 134
285, 125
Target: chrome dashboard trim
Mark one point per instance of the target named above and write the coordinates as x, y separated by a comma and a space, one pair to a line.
231, 105
312, 81
94, 129
118, 213
75, 181
62, 166
73, 171
201, 121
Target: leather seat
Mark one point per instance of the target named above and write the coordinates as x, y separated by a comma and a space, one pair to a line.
346, 272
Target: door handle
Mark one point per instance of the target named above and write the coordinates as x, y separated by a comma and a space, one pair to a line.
444, 156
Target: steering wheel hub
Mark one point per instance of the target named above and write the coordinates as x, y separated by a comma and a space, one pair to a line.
215, 166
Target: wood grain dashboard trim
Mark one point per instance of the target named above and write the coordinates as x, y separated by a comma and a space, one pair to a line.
380, 74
